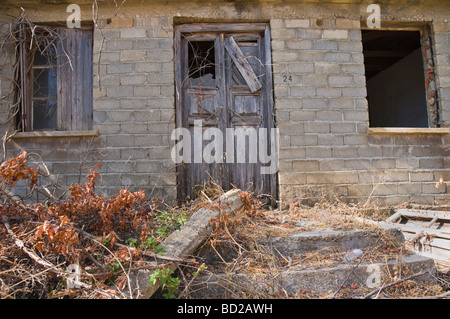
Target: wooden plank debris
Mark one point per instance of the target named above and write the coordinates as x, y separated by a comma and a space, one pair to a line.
242, 64
427, 232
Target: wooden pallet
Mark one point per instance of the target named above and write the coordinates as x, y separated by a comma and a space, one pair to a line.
427, 232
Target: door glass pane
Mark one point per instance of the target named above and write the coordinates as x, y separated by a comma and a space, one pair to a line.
201, 63
44, 115
44, 85
46, 54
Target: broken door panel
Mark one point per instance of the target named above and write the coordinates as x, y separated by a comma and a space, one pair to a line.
203, 105
242, 64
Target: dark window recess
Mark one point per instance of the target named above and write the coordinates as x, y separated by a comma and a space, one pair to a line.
56, 82
202, 63
394, 68
44, 97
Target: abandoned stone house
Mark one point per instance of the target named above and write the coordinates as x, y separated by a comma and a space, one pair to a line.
362, 109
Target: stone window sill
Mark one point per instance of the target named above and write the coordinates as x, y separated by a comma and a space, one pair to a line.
408, 130
51, 134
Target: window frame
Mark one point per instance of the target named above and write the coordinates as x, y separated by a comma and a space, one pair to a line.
431, 91
74, 68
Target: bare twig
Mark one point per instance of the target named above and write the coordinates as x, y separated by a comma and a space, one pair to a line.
378, 290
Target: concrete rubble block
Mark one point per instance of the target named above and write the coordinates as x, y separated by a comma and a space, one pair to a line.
182, 243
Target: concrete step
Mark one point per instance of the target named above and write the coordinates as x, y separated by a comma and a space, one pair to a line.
320, 277
320, 280
307, 242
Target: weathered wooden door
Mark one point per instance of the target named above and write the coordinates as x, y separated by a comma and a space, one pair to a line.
224, 99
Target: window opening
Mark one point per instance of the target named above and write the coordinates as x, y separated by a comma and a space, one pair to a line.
395, 77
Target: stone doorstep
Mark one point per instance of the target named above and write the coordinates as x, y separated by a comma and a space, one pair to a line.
321, 280
310, 241
326, 241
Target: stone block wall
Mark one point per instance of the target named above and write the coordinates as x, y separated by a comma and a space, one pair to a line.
326, 149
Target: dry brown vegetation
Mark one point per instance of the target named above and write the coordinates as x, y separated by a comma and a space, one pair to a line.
111, 237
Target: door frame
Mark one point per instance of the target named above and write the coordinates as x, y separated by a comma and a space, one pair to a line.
205, 28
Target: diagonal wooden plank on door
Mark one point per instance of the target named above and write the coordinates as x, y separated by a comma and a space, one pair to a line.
242, 64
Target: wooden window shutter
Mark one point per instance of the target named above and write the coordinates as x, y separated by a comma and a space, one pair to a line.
75, 76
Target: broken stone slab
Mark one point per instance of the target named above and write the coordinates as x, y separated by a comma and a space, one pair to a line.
325, 241
183, 242
321, 280
333, 240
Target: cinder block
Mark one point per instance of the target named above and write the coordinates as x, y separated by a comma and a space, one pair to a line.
338, 57
421, 177
409, 188
121, 91
332, 178
325, 45
309, 34
327, 68
340, 80
278, 45
348, 24
118, 44
318, 152
335, 34
330, 140
297, 23
441, 27
292, 153
358, 164
133, 128
121, 140
292, 178
120, 68
329, 115
133, 33
338, 128
345, 152
302, 115
133, 103
147, 90
341, 103
316, 127
302, 91
289, 128
332, 165
133, 79
305, 166
119, 116
284, 56
148, 67
355, 115
287, 103
300, 67
384, 163
283, 34
371, 151
304, 140
328, 92
133, 55
350, 46
303, 44
431, 163
119, 22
